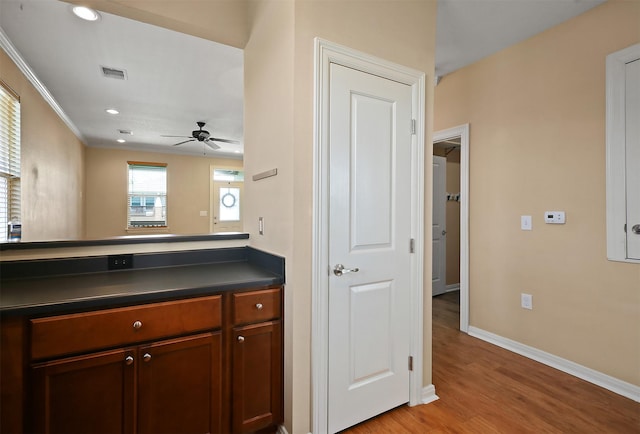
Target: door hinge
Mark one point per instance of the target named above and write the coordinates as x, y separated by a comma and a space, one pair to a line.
625, 228
412, 245
413, 126
411, 363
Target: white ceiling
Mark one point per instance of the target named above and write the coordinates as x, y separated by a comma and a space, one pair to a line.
469, 30
174, 80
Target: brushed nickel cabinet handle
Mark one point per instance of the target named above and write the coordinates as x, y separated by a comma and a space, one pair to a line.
259, 306
128, 360
241, 339
137, 325
146, 357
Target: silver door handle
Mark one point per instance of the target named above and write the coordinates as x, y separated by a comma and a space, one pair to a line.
636, 229
444, 233
339, 270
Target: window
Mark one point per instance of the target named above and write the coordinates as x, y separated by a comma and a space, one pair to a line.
228, 175
147, 195
9, 159
229, 206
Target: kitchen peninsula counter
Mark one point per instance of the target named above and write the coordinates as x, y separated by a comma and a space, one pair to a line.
64, 285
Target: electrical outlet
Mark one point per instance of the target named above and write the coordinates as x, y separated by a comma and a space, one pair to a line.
526, 301
120, 262
525, 223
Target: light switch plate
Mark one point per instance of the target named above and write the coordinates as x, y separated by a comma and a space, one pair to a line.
526, 223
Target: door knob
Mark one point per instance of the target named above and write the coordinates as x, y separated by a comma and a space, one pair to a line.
636, 229
339, 270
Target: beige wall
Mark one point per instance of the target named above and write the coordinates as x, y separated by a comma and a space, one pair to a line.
52, 172
223, 21
268, 134
453, 219
188, 190
537, 122
279, 116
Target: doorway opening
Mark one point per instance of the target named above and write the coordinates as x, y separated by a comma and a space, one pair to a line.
451, 218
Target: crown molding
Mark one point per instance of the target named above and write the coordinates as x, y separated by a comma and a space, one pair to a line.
22, 65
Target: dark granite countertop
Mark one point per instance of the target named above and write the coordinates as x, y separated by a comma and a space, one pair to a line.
69, 292
123, 240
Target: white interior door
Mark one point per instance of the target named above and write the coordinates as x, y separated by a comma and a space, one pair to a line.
369, 234
439, 269
632, 146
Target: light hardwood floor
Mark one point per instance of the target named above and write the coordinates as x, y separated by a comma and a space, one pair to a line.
486, 389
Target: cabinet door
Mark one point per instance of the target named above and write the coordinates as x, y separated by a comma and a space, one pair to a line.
179, 385
257, 376
85, 394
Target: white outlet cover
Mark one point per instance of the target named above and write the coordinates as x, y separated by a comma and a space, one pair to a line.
526, 301
203, 213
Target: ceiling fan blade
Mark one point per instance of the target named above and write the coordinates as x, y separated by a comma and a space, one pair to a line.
186, 137
223, 140
211, 145
183, 142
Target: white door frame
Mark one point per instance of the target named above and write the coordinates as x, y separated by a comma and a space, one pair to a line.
462, 131
325, 54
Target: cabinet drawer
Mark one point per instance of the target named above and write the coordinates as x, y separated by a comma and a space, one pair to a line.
75, 333
256, 306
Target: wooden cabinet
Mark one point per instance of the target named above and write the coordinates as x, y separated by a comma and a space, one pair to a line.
91, 393
179, 385
209, 364
257, 360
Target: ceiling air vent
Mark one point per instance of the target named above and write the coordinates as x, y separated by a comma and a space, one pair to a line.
119, 74
128, 132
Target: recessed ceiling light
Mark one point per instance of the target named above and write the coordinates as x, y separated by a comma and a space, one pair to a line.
85, 13
121, 140
236, 151
112, 111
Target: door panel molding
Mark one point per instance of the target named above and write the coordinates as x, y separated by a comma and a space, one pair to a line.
327, 53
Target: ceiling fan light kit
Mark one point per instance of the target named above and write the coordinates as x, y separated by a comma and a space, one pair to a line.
202, 136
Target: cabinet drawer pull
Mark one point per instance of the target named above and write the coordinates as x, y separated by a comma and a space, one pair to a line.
259, 306
241, 339
137, 325
146, 357
128, 360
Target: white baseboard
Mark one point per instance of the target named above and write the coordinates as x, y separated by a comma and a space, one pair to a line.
428, 394
615, 385
452, 287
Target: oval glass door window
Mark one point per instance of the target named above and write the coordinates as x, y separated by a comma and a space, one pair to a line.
229, 206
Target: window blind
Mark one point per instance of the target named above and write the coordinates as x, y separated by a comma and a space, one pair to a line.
9, 159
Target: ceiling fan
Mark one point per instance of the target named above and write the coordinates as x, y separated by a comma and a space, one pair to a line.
202, 136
